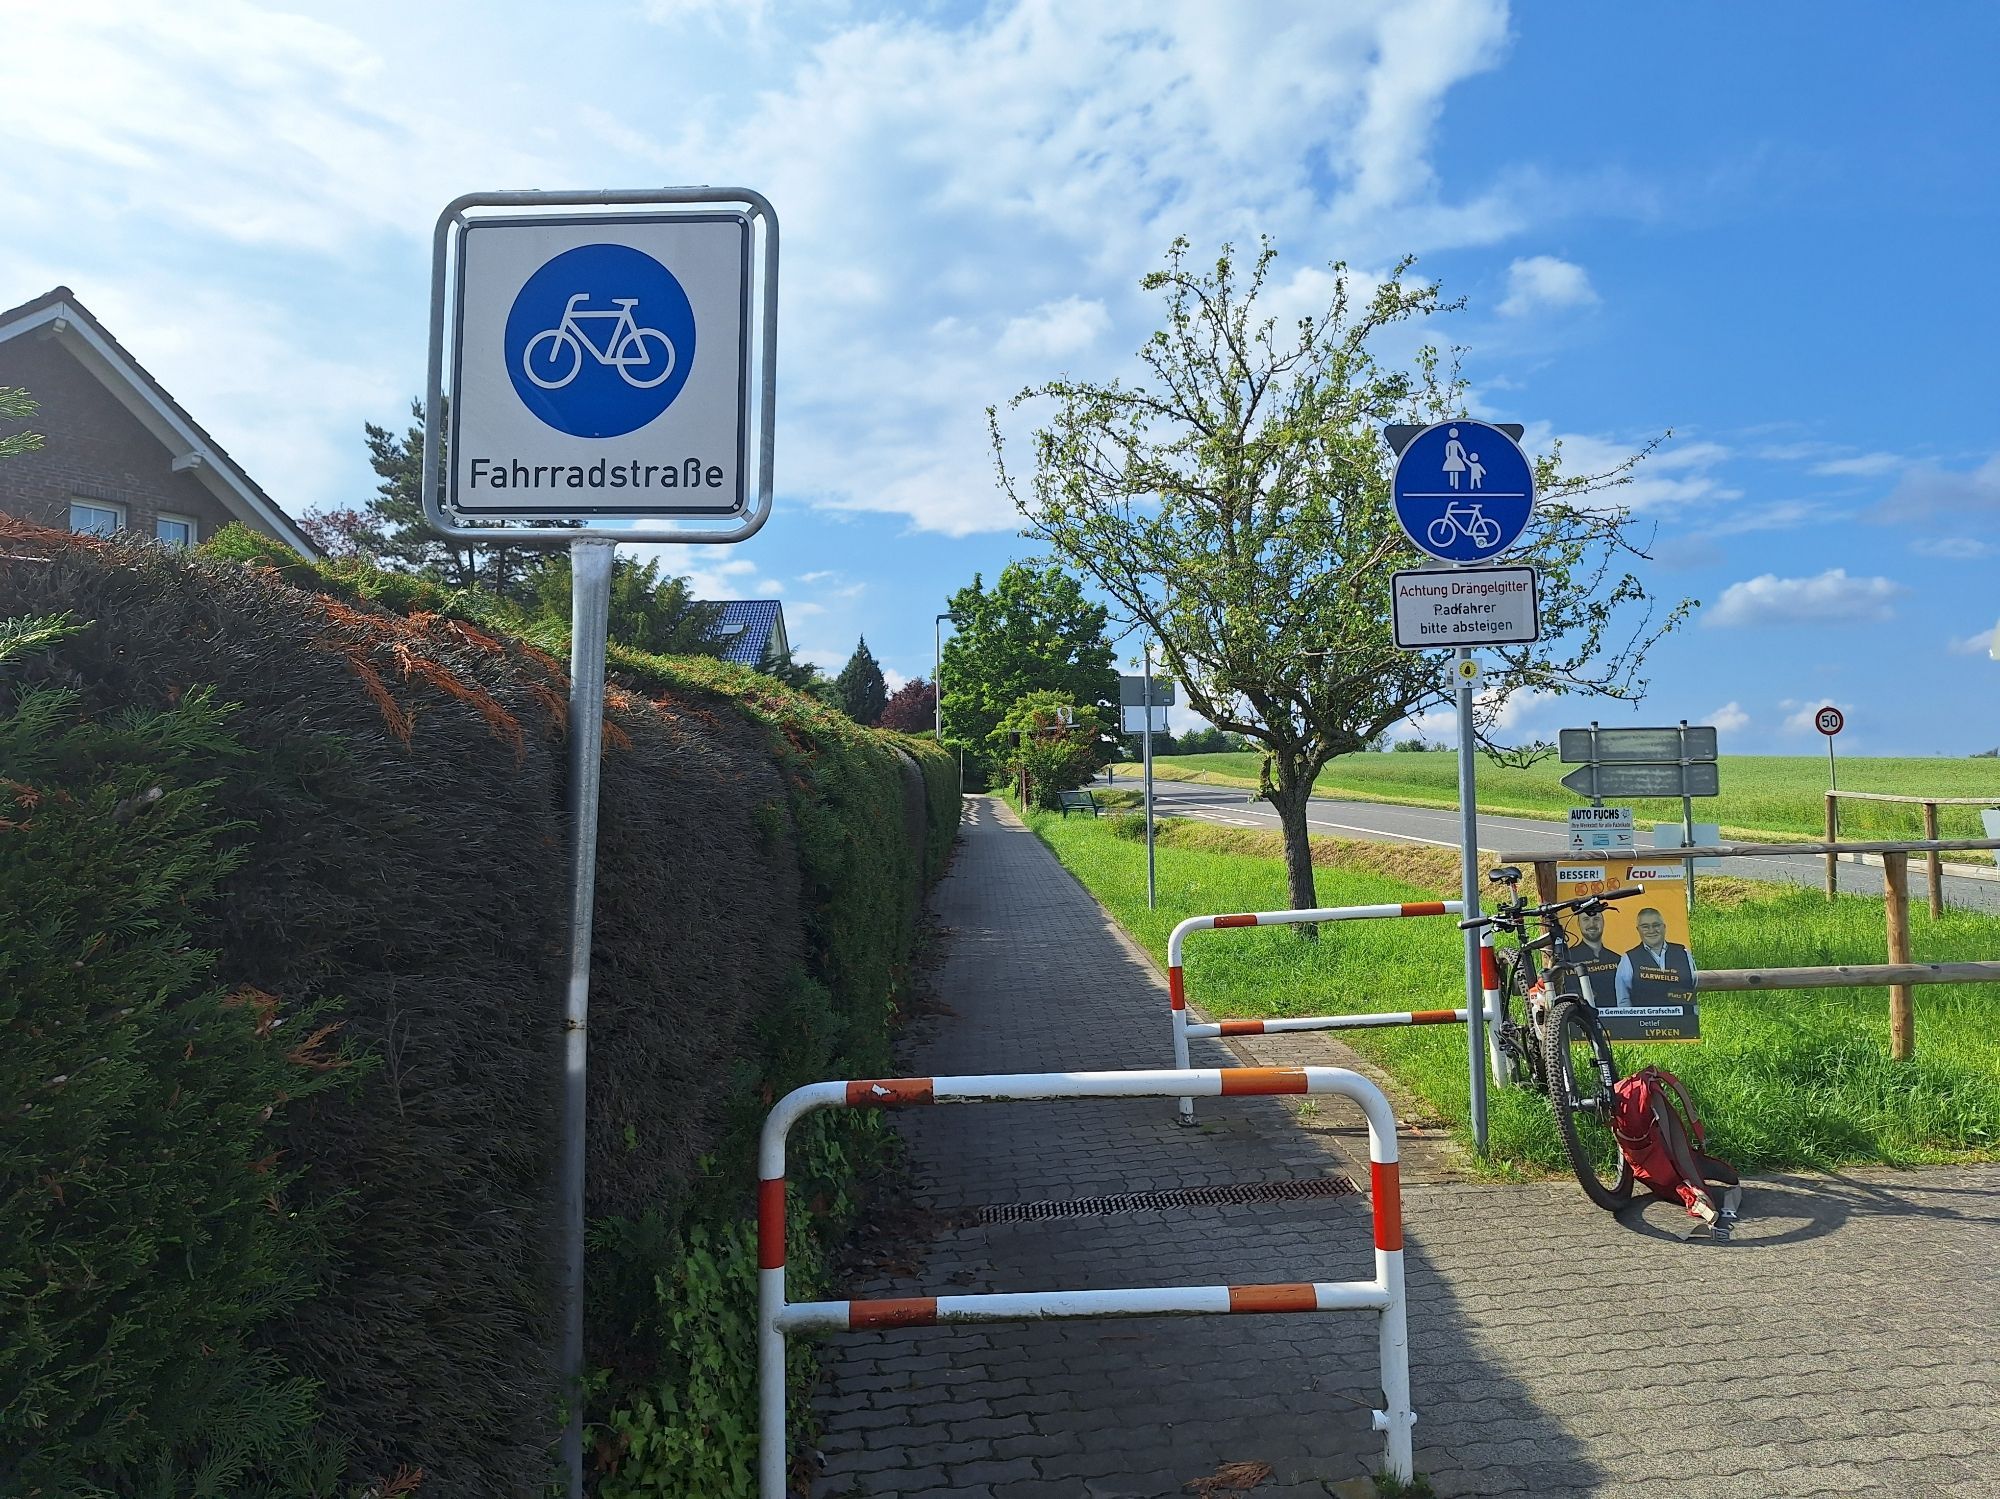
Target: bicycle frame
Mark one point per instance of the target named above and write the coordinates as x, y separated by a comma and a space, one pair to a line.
623, 326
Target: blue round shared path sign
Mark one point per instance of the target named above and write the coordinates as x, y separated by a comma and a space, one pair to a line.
600, 341
1463, 491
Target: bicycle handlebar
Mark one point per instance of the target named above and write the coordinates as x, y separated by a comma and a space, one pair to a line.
1580, 903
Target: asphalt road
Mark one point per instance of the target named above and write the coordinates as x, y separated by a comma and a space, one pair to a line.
1234, 807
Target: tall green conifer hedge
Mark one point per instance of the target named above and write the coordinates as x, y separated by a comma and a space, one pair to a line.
360, 825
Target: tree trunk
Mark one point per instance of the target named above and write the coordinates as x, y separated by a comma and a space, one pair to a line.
1290, 796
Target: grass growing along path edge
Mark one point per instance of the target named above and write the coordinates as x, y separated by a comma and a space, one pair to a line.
1797, 1078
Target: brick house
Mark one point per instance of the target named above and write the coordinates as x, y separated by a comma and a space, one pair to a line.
119, 453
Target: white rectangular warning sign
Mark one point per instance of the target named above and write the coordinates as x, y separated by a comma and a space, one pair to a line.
1466, 606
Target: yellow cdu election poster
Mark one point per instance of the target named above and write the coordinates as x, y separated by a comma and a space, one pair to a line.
1635, 953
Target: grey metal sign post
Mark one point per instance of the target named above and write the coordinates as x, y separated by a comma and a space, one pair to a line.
1144, 693
1463, 492
605, 348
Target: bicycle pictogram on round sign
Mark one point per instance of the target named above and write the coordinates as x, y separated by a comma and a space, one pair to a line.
599, 341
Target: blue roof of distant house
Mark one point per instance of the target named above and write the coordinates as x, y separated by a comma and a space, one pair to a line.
748, 625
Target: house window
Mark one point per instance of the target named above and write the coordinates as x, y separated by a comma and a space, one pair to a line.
175, 530
96, 518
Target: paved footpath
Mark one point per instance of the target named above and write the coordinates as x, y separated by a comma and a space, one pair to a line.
1846, 1342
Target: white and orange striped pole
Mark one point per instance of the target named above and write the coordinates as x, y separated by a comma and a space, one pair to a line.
1177, 979
1489, 981
1383, 1295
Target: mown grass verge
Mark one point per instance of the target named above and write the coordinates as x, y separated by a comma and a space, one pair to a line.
1788, 1079
1779, 797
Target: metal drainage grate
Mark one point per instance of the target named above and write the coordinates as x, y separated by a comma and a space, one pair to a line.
1180, 1197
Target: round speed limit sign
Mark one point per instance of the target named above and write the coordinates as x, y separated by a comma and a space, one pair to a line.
1829, 721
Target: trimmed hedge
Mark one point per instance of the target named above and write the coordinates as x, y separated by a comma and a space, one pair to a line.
396, 858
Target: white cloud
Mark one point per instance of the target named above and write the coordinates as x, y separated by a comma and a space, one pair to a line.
1542, 281
1954, 548
1831, 596
1866, 465
1055, 330
1779, 515
1729, 718
1926, 490
1678, 475
819, 576
1978, 643
1800, 714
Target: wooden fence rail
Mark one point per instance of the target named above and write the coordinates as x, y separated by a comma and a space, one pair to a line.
1933, 865
1897, 975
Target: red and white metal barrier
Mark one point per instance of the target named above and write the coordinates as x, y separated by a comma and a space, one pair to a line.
1177, 980
777, 1317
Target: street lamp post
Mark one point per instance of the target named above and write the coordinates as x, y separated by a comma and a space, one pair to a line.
937, 671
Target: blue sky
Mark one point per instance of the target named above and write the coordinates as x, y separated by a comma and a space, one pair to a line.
1770, 228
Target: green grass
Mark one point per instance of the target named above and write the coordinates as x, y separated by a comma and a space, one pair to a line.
1779, 796
1785, 1079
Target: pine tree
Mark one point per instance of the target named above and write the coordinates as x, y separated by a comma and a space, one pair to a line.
863, 693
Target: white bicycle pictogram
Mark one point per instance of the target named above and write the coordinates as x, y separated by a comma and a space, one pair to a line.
1469, 521
629, 347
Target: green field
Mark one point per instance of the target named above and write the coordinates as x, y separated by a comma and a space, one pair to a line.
1763, 796
1786, 1079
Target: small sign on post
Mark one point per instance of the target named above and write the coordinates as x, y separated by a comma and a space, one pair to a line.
1468, 606
1600, 830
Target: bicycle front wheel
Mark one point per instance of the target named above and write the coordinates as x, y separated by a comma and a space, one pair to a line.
1581, 1073
645, 359
1441, 531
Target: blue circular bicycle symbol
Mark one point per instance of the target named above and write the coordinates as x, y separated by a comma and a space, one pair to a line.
600, 341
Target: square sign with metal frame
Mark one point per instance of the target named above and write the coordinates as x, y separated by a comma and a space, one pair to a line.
611, 356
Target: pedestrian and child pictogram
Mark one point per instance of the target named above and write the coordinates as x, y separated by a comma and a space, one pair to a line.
1463, 491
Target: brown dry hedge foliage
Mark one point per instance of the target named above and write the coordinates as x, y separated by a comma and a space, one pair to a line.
761, 861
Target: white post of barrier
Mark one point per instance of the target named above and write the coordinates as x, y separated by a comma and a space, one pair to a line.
1489, 978
1384, 1294
1177, 980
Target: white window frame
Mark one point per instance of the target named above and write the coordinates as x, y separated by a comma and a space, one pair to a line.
111, 507
168, 518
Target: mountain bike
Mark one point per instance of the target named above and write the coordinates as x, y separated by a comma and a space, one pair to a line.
1550, 1035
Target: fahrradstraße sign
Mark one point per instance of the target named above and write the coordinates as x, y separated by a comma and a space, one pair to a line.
601, 365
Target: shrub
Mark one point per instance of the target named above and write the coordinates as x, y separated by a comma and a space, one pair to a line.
401, 864
149, 1222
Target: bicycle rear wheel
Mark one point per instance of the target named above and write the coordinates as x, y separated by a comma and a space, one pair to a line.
1518, 1043
1581, 1072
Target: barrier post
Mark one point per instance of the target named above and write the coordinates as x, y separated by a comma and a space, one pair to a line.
1489, 978
1184, 1030
1902, 1018
1933, 863
1384, 1295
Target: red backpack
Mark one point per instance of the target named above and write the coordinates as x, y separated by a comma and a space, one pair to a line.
1654, 1139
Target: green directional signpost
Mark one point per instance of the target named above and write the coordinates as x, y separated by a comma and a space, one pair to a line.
1663, 762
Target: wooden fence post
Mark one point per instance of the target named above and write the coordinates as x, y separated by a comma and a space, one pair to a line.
1933, 862
1832, 836
1545, 881
1902, 1019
